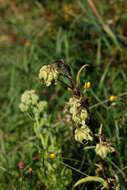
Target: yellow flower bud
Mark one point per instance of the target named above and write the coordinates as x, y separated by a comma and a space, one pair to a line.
27, 44
52, 156
30, 170
69, 89
112, 98
87, 85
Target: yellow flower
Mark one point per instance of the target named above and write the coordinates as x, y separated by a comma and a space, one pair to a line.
87, 85
27, 44
69, 89
112, 98
52, 156
30, 170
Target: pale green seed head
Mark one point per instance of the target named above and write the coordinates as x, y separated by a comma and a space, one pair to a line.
83, 133
102, 150
79, 114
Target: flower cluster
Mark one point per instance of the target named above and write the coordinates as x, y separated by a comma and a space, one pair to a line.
102, 149
48, 73
83, 133
79, 116
30, 101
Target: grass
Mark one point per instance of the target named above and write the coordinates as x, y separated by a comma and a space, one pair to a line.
35, 33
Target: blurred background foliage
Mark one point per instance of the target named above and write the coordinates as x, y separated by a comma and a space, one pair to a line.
34, 33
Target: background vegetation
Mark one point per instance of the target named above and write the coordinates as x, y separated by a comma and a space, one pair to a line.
34, 33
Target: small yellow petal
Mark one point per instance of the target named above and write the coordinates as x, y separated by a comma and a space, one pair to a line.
87, 85
69, 89
112, 98
30, 170
27, 44
52, 156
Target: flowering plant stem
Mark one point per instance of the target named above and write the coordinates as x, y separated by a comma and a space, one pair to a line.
107, 100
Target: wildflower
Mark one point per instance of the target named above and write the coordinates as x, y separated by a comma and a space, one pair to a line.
30, 170
112, 98
48, 73
78, 114
28, 99
30, 102
27, 44
83, 133
52, 156
69, 89
41, 106
74, 103
23, 107
103, 149
87, 85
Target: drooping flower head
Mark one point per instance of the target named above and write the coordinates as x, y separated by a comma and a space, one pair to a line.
79, 116
48, 73
102, 149
83, 133
79, 113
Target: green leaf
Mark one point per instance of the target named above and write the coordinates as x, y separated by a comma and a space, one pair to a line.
92, 178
